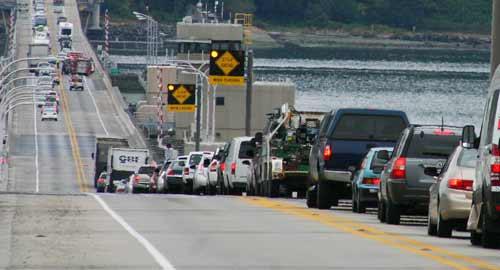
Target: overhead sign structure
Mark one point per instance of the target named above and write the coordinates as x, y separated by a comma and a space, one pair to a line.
181, 98
227, 67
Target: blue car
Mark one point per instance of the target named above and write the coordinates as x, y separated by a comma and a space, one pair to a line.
365, 183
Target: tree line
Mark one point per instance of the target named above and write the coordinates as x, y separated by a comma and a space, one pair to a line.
442, 15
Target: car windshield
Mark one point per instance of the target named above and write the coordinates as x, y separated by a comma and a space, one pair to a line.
146, 170
429, 145
368, 127
246, 150
467, 158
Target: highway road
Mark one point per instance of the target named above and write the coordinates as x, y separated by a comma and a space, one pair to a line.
50, 217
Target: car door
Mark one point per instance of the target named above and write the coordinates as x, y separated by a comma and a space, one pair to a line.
315, 152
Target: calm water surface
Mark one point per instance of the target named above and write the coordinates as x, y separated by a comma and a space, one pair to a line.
452, 86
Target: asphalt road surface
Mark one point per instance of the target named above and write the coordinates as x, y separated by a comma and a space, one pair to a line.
50, 217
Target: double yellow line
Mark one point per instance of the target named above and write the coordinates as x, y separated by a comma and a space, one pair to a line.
75, 148
437, 254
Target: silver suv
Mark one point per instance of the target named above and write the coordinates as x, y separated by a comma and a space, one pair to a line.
404, 185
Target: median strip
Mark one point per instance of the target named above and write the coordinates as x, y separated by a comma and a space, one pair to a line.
440, 255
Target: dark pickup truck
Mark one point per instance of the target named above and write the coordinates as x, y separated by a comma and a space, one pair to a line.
345, 136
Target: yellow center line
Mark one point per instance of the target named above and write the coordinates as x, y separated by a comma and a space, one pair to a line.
437, 254
75, 149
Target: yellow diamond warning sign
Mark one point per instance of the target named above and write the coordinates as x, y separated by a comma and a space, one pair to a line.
181, 94
181, 98
227, 67
227, 63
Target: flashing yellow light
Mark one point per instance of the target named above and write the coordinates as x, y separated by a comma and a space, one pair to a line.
214, 54
171, 87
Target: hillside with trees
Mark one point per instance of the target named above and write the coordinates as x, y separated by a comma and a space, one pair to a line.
433, 15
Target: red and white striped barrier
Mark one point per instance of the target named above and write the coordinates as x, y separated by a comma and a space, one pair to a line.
106, 32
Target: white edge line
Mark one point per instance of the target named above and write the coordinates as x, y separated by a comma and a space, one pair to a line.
95, 105
159, 258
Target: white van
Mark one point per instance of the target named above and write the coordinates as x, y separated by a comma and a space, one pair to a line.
484, 219
65, 30
238, 161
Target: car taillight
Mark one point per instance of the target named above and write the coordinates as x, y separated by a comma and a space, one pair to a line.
399, 169
460, 184
101, 180
223, 166
495, 164
170, 172
213, 167
327, 152
186, 171
233, 168
371, 181
137, 178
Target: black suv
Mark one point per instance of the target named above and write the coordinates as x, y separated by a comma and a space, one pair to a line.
345, 136
404, 183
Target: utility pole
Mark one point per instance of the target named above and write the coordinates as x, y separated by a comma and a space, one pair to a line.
198, 115
248, 114
495, 37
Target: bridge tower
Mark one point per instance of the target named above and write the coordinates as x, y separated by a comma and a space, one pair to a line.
91, 11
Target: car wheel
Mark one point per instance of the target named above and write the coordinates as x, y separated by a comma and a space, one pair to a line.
360, 206
273, 189
324, 195
354, 201
488, 239
311, 198
392, 213
431, 228
381, 211
475, 238
444, 227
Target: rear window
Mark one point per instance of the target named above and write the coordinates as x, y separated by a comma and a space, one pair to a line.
178, 165
245, 149
195, 159
368, 127
424, 145
468, 158
146, 170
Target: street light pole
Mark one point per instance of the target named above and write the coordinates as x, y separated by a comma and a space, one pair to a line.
198, 115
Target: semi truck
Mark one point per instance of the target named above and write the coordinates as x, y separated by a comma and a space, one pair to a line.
100, 155
37, 50
123, 162
281, 163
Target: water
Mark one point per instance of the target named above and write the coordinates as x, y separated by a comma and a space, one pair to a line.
449, 85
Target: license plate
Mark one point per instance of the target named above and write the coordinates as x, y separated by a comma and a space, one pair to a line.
372, 190
495, 189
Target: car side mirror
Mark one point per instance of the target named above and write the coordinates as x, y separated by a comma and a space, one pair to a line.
93, 155
246, 162
258, 137
431, 171
206, 163
468, 137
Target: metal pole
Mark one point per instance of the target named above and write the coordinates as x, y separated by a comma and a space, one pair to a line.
207, 124
213, 112
495, 37
248, 114
198, 116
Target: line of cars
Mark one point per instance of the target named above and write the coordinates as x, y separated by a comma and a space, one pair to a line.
378, 159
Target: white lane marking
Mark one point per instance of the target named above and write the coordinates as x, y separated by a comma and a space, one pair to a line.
37, 171
95, 104
159, 258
